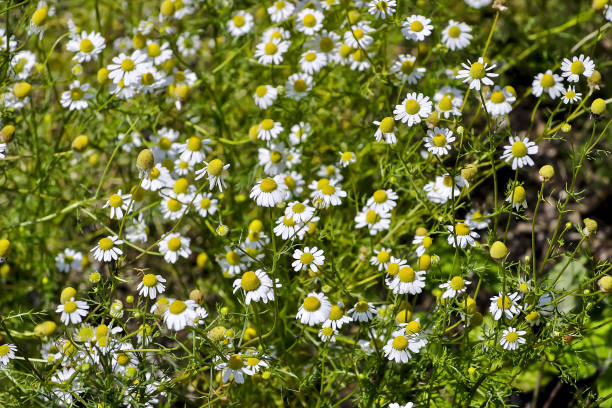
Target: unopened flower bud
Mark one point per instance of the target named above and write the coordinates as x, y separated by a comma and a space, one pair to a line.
590, 226
498, 250
145, 160
605, 283
67, 293
6, 134
547, 172
598, 106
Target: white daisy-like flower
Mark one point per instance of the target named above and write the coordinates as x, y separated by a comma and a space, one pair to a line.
456, 36
300, 211
382, 8
499, 102
188, 44
158, 54
234, 368
240, 24
299, 133
325, 42
359, 60
312, 61
264, 96
444, 188
328, 4
269, 191
517, 198
295, 184
205, 204
383, 200
416, 28
477, 73
158, 178
7, 353
216, 171
572, 69
347, 158
126, 70
406, 280
151, 285
328, 334
288, 228
381, 258
309, 21
397, 349
107, 249
362, 311
73, 311
386, 129
407, 71
173, 246
77, 97
505, 305
357, 36
233, 261
86, 45
454, 287
39, 18
413, 109
269, 129
511, 338
69, 260
280, 11
275, 32
477, 220
326, 192
547, 82
120, 204
180, 314
21, 63
518, 150
571, 96
137, 230
462, 235
438, 141
271, 52
298, 85
314, 310
255, 364
257, 286
122, 359
194, 150
337, 318
308, 258
398, 405
375, 220
7, 41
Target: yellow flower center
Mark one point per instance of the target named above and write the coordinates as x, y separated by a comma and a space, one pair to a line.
570, 94
532, 316
413, 327
327, 331
76, 94
498, 97
445, 104
387, 125
180, 186
298, 208
344, 50
400, 343
215, 167
504, 302
40, 15
174, 244
268, 185
115, 200
406, 274
205, 203
174, 205
194, 144
439, 140
381, 5
123, 359
477, 70
454, 32
518, 196
335, 313
448, 181
577, 67
177, 307
512, 337
312, 303
86, 45
154, 50
271, 48
519, 149
306, 258
326, 44
362, 306
310, 56
309, 20
149, 280
359, 55
371, 217
300, 85
288, 221
547, 81
462, 229
280, 5
85, 334
127, 65
249, 281
106, 244
407, 67
383, 257
275, 156
416, 26
252, 361
232, 258
393, 268
267, 124
477, 216
235, 362
261, 91
147, 79
380, 196
412, 107
457, 283
328, 189
70, 307
358, 33
238, 21
427, 241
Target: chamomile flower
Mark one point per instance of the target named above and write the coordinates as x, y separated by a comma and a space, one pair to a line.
397, 349
137, 230
359, 60
511, 339
269, 191
547, 82
40, 18
309, 21
477, 73
478, 3
7, 353
255, 364
173, 246
180, 314
308, 258
205, 204
311, 61
77, 97
456, 36
328, 4
337, 318
517, 152
362, 311
73, 311
300, 211
328, 334
325, 42
3, 150
158, 178
438, 141
269, 129
517, 198
7, 41
406, 280
505, 305
257, 286
454, 287
280, 11
326, 192
298, 86
499, 102
69, 260
386, 129
375, 220
240, 24
461, 235
406, 69
381, 258
382, 8
357, 36
215, 170
22, 63
188, 44
571, 96
233, 262
347, 158
572, 69
314, 310
288, 228
477, 220
413, 109
151, 285
397, 405
271, 52
86, 45
126, 70
444, 188
275, 32
416, 28
158, 54
193, 150
108, 249
119, 204
122, 359
233, 368
264, 96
